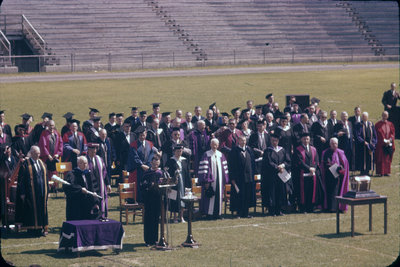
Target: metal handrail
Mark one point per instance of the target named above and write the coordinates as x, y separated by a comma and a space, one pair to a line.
7, 44
36, 36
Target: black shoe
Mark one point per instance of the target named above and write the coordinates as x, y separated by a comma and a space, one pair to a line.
386, 174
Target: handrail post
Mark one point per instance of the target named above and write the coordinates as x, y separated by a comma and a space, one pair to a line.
109, 61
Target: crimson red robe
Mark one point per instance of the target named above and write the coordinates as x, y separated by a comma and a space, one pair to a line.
384, 130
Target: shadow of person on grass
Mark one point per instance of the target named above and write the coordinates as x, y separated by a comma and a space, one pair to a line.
340, 235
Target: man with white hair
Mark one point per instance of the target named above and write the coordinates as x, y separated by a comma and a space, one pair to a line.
213, 175
335, 175
32, 192
365, 142
80, 205
385, 145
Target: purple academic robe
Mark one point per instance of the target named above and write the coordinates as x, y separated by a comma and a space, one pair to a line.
340, 159
198, 148
206, 175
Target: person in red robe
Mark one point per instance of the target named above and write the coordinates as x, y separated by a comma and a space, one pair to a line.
385, 146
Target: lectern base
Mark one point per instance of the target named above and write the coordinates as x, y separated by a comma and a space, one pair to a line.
365, 194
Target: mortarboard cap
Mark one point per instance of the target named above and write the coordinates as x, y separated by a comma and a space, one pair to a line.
178, 146
47, 115
176, 129
233, 111
143, 112
21, 126
165, 114
112, 114
68, 115
96, 119
75, 121
119, 114
134, 108
315, 100
26, 116
150, 119
304, 134
140, 129
260, 121
93, 145
268, 96
155, 105
127, 121
225, 114
275, 135
1, 111
283, 117
94, 110
245, 110
259, 106
212, 105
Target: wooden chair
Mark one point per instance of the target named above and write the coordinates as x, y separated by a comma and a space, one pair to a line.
257, 179
227, 196
126, 190
61, 168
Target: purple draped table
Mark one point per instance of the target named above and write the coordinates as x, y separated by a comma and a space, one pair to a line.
86, 235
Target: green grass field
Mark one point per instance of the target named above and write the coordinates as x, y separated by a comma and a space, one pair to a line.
292, 240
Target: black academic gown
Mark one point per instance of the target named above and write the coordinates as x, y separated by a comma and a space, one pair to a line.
273, 189
32, 211
318, 131
258, 149
152, 205
241, 170
79, 205
158, 141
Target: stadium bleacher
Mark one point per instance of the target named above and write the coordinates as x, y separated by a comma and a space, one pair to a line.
133, 33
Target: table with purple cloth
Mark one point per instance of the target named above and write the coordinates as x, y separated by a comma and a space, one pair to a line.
86, 235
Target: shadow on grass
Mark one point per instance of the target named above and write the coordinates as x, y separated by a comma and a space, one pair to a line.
62, 254
340, 235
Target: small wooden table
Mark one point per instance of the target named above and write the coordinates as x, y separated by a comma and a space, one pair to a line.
361, 201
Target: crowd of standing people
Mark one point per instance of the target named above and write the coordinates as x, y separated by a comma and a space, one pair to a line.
303, 157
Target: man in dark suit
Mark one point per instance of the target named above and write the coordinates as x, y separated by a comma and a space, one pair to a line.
332, 121
197, 115
319, 131
241, 166
188, 125
302, 127
122, 141
389, 101
6, 128
357, 116
259, 141
156, 135
343, 131
211, 124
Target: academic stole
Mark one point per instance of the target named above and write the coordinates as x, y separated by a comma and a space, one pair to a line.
366, 150
33, 189
303, 154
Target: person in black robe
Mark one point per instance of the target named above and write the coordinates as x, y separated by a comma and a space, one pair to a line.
211, 124
241, 165
133, 119
332, 121
111, 125
273, 190
343, 131
259, 141
285, 134
20, 142
389, 101
356, 118
306, 176
80, 204
89, 123
68, 121
320, 134
156, 135
270, 125
188, 126
6, 128
365, 144
106, 152
40, 127
92, 133
122, 141
32, 194
178, 165
152, 199
168, 146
